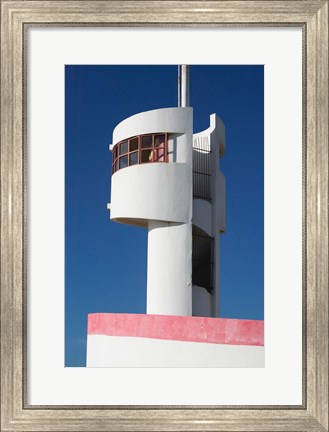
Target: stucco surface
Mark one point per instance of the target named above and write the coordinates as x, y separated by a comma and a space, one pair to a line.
193, 329
202, 215
118, 351
172, 120
135, 340
155, 191
169, 268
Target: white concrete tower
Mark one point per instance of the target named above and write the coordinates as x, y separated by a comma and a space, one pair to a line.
167, 179
152, 187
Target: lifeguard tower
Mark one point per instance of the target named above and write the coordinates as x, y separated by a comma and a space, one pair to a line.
167, 179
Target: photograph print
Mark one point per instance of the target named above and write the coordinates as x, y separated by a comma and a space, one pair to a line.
164, 216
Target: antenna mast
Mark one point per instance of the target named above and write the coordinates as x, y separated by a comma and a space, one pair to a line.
185, 85
178, 86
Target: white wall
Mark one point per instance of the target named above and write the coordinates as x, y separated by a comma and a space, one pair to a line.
123, 351
202, 215
201, 302
221, 202
159, 191
169, 269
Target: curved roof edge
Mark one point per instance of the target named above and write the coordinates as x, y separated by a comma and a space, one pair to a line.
172, 120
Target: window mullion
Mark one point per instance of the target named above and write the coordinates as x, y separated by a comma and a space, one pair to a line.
153, 148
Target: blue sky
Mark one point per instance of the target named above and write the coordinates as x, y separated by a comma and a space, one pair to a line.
105, 262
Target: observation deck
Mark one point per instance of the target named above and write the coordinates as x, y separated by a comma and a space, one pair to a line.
152, 167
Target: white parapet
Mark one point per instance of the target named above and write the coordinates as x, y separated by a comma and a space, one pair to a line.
171, 120
132, 340
155, 191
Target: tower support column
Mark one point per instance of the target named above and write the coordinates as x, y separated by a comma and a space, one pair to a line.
169, 268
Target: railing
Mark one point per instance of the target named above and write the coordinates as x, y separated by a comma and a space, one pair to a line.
201, 168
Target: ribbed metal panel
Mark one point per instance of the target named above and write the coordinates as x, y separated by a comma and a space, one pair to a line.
201, 168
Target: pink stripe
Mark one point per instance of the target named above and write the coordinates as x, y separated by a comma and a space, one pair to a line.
180, 328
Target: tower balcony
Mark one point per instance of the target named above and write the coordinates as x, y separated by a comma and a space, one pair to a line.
152, 167
153, 191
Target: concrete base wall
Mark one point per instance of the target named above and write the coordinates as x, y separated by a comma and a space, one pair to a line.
119, 351
137, 340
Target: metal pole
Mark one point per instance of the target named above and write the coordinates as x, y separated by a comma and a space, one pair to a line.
178, 86
185, 86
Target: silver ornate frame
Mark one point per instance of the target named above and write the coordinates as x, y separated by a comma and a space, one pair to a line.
312, 17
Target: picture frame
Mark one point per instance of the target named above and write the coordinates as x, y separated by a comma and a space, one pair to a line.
312, 17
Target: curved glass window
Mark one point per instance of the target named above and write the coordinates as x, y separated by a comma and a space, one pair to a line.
139, 150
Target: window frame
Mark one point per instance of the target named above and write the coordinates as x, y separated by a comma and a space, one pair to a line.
116, 155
